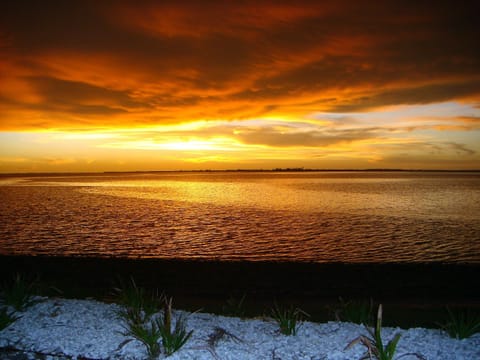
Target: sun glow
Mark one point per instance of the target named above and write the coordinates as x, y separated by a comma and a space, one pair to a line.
194, 145
169, 144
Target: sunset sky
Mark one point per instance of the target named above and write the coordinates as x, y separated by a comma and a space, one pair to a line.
166, 85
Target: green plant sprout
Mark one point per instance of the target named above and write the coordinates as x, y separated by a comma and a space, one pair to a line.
6, 318
172, 340
234, 306
462, 323
137, 298
147, 334
18, 293
374, 343
148, 331
133, 316
287, 319
358, 312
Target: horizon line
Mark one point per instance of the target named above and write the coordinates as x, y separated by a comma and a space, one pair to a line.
39, 173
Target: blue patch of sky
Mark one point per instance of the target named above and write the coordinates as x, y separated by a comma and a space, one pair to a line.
404, 112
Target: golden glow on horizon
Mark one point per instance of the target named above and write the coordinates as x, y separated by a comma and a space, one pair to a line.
179, 145
332, 141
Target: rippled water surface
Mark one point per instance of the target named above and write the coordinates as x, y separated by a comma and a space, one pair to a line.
304, 216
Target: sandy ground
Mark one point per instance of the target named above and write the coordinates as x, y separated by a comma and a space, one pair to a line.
85, 329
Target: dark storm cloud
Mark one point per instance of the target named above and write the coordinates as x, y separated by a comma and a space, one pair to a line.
411, 95
180, 61
61, 93
314, 138
70, 97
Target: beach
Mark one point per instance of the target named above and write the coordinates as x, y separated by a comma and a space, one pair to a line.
58, 328
419, 293
79, 318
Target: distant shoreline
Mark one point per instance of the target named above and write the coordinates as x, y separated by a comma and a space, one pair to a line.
276, 170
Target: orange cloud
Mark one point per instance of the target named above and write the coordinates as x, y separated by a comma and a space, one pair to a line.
136, 64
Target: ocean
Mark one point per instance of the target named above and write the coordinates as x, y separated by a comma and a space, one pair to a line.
352, 217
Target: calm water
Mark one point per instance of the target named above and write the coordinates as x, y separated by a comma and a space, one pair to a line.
305, 216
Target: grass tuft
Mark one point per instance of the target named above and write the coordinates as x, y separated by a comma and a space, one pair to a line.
234, 306
374, 343
172, 340
18, 293
150, 329
148, 334
358, 312
462, 323
6, 318
137, 298
287, 319
133, 316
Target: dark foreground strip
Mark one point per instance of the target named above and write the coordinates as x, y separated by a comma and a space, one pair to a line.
427, 281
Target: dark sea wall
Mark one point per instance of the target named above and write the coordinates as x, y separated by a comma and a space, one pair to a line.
403, 282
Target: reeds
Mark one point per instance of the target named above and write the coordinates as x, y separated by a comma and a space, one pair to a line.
374, 343
234, 306
138, 299
287, 319
462, 323
172, 340
144, 324
355, 311
18, 293
147, 333
7, 318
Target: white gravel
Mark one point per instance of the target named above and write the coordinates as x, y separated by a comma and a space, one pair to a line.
91, 329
